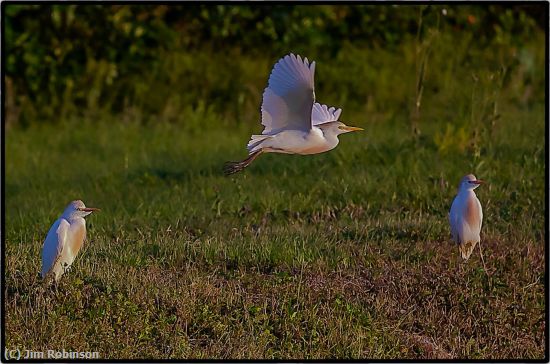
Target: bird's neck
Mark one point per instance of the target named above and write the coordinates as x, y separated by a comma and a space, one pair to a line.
75, 219
331, 138
466, 192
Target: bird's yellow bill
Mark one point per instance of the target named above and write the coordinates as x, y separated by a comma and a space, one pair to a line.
89, 209
351, 128
477, 182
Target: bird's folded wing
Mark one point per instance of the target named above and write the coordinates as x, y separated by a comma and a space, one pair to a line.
321, 114
53, 245
453, 221
289, 96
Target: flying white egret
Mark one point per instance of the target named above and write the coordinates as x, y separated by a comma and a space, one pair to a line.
65, 239
466, 216
293, 122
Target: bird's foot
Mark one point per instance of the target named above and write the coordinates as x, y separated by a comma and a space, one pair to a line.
233, 167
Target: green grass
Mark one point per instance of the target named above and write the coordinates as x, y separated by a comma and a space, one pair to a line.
340, 255
344, 254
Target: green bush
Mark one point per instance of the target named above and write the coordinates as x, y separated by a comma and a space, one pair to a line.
65, 60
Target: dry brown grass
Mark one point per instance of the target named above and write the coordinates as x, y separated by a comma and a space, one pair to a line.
437, 307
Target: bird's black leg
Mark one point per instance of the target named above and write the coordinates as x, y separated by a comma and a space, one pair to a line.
234, 167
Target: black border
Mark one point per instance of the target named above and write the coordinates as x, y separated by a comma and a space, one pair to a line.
546, 4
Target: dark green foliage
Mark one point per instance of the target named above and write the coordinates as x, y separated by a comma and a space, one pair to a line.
65, 60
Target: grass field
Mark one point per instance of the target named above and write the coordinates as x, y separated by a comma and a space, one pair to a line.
341, 255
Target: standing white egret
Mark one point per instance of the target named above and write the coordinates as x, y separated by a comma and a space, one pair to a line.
293, 122
65, 239
466, 216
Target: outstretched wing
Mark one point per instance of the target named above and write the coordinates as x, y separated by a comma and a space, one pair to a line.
321, 114
53, 245
289, 96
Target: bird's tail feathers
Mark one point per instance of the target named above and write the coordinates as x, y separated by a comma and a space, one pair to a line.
255, 141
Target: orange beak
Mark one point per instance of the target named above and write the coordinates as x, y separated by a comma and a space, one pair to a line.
89, 209
478, 181
351, 128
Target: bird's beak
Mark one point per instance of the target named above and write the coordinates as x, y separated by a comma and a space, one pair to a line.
89, 209
351, 128
478, 181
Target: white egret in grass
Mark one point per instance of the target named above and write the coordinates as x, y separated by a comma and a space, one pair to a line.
293, 122
466, 216
65, 239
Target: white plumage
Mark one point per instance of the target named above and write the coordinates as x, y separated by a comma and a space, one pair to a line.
466, 216
293, 122
64, 239
323, 114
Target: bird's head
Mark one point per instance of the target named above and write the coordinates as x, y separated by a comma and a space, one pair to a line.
469, 183
338, 127
77, 209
